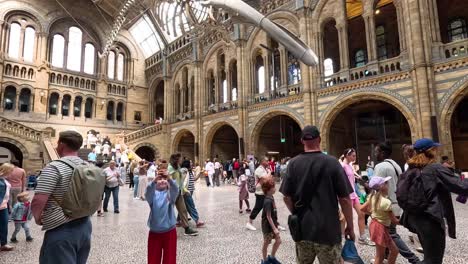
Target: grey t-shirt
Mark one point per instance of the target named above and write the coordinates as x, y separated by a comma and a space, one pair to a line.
389, 168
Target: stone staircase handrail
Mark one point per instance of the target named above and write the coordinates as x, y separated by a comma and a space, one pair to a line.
143, 133
20, 130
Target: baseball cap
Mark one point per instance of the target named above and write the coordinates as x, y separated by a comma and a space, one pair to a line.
310, 133
424, 144
376, 182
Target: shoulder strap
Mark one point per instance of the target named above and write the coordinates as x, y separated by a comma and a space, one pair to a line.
68, 162
396, 171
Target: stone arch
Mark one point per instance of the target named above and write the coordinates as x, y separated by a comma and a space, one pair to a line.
16, 147
447, 107
211, 131
175, 148
405, 107
214, 49
265, 116
281, 14
146, 145
12, 8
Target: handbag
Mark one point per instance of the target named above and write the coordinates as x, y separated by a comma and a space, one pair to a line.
121, 182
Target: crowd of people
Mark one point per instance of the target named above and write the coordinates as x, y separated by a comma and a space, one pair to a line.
319, 190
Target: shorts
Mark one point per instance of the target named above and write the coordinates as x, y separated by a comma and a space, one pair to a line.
268, 237
379, 234
308, 251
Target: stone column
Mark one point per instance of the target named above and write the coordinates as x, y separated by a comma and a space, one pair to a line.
83, 106
168, 100
190, 96
244, 81
17, 103
3, 27
114, 113
229, 85
182, 100
284, 68
59, 105
369, 21
266, 64
343, 43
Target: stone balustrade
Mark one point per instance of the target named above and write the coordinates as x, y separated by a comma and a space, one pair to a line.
20, 130
456, 49
118, 89
72, 80
282, 92
391, 65
143, 133
21, 71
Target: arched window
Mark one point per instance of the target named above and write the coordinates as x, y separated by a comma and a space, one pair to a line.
111, 65
120, 67
211, 88
89, 108
66, 105
74, 49
260, 71
233, 71
28, 50
110, 111
119, 114
225, 91
58, 49
9, 101
381, 42
90, 54
328, 67
294, 70
457, 29
77, 106
53, 104
25, 100
14, 43
360, 58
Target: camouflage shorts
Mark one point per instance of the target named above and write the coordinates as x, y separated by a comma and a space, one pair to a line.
307, 251
268, 237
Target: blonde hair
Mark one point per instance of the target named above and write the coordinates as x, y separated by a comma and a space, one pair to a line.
378, 197
421, 160
6, 169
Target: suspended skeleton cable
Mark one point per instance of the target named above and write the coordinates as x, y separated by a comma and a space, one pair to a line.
76, 21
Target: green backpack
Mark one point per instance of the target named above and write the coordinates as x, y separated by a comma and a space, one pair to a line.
84, 194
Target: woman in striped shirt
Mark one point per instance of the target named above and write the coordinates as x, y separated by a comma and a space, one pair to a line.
189, 183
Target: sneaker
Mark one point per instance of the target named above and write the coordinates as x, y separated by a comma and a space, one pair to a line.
366, 241
280, 228
29, 239
6, 248
190, 232
116, 212
200, 224
100, 214
136, 198
384, 261
13, 240
272, 260
250, 227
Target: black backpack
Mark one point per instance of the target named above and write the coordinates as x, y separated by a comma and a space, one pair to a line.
410, 192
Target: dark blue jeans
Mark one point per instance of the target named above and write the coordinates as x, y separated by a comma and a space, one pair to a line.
3, 227
69, 243
115, 197
191, 209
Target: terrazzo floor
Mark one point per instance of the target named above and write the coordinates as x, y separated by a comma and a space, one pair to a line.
121, 238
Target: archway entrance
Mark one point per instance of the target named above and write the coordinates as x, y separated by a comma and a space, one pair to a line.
362, 125
459, 129
225, 144
146, 153
186, 146
158, 103
279, 137
9, 152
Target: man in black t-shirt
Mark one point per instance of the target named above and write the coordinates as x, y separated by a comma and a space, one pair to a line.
314, 184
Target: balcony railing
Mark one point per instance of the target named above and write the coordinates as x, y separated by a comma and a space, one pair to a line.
278, 93
118, 89
20, 130
21, 71
72, 80
456, 49
143, 133
370, 70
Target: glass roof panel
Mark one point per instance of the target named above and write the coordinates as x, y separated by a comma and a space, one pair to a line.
146, 36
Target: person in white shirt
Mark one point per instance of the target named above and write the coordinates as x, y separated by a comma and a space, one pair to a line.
209, 167
217, 173
151, 173
112, 186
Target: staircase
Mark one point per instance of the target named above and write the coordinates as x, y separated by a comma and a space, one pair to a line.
29, 135
143, 134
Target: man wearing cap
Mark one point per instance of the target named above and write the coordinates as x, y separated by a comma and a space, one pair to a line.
311, 187
387, 167
66, 241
